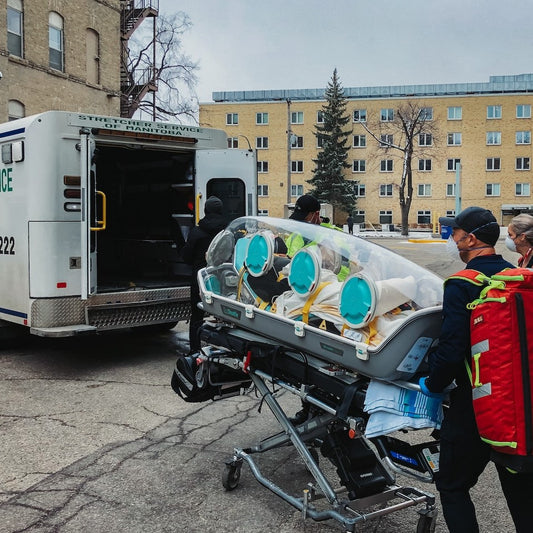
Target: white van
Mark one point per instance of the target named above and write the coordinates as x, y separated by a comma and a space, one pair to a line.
94, 211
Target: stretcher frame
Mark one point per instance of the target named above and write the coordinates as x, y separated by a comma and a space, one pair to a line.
346, 511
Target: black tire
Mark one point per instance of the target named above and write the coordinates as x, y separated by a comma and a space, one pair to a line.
231, 476
426, 524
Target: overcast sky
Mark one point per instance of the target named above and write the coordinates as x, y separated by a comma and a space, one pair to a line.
295, 44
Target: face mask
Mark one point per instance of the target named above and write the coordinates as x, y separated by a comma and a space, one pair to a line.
511, 245
451, 248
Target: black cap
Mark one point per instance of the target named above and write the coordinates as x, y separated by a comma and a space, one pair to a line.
213, 205
304, 205
476, 220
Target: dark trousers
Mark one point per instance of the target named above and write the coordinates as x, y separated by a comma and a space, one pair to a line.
197, 317
463, 457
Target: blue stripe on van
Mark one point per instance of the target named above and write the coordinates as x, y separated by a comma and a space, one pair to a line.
12, 132
13, 313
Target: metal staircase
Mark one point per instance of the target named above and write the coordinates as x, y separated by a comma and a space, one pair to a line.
134, 85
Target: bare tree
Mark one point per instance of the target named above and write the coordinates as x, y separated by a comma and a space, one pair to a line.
409, 131
159, 52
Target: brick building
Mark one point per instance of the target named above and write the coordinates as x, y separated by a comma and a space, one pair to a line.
486, 127
66, 55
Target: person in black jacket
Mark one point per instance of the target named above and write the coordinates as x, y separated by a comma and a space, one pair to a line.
463, 455
193, 253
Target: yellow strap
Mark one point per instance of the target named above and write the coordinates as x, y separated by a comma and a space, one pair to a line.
475, 360
311, 299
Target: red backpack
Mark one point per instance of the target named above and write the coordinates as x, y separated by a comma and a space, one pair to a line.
501, 336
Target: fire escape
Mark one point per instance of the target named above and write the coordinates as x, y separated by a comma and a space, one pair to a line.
136, 84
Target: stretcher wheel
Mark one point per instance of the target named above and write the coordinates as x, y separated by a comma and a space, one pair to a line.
426, 523
231, 475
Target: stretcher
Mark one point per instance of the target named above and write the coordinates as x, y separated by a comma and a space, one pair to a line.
322, 326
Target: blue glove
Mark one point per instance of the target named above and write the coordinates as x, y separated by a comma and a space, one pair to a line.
426, 391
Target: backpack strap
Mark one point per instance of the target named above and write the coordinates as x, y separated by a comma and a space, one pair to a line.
473, 276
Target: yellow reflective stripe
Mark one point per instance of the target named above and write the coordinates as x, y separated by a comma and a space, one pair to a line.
499, 444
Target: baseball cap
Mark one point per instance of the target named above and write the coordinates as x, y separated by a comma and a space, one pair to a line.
476, 220
304, 205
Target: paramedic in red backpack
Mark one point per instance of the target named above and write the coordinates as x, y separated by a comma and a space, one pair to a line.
463, 455
520, 239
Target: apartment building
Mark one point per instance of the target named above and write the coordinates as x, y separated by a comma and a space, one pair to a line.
480, 146
60, 54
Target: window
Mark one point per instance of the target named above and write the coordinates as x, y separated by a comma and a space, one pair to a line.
452, 164
297, 141
320, 116
297, 190
92, 50
385, 217
523, 111
454, 139
359, 190
359, 115
385, 189
424, 189
359, 141
14, 27
494, 137
262, 166
297, 166
359, 165
455, 113
297, 117
320, 141
426, 114
423, 217
55, 41
386, 165
492, 189
522, 189
450, 213
15, 110
522, 163
450, 190
424, 165
494, 111
233, 142
262, 190
387, 115
261, 143
386, 140
359, 216
523, 137
261, 118
232, 119
493, 163
262, 212
425, 139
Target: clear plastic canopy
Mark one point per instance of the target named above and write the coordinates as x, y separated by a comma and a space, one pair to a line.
318, 275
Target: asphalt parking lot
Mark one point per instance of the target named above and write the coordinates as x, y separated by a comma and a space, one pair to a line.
93, 439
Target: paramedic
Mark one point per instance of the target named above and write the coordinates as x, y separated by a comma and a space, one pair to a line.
463, 455
520, 239
306, 209
193, 253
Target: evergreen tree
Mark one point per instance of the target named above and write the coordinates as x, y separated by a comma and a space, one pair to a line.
328, 183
